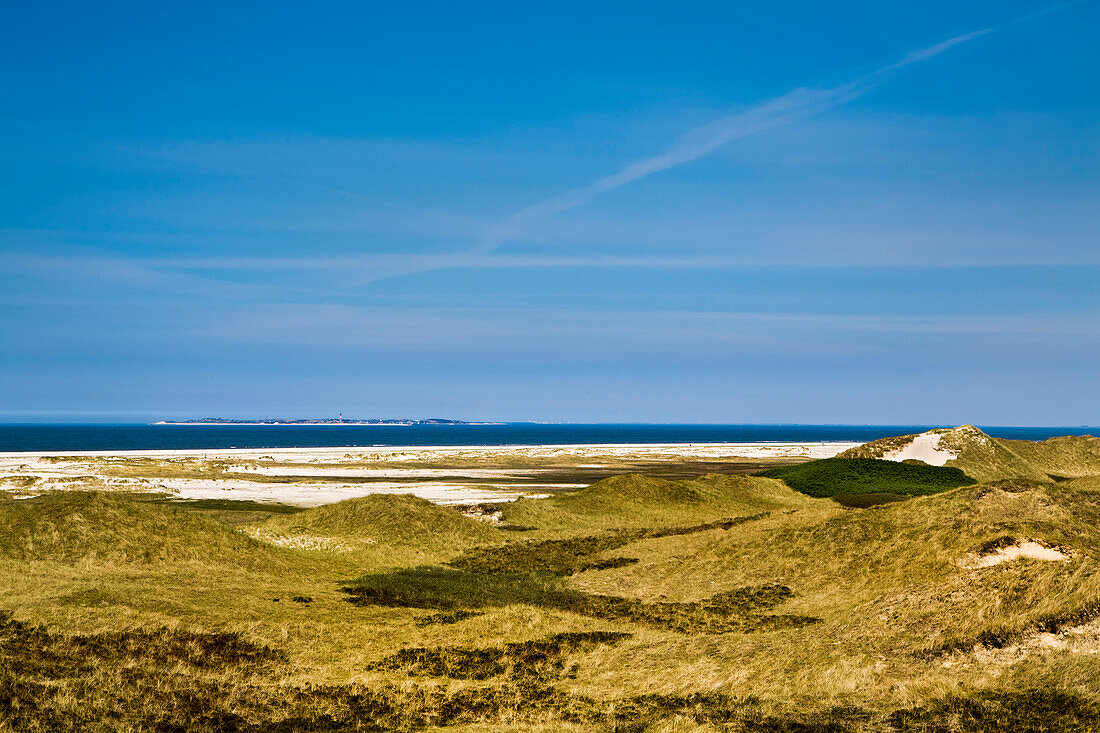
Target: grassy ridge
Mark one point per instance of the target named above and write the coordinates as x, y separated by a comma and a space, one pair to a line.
852, 477
380, 529
634, 500
1065, 456
742, 605
75, 526
575, 554
989, 459
398, 519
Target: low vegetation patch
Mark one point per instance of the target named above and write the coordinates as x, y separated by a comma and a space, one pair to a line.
851, 477
32, 649
228, 505
575, 554
870, 499
447, 617
540, 658
451, 590
989, 711
530, 573
234, 512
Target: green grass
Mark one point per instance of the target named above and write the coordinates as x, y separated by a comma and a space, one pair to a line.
847, 478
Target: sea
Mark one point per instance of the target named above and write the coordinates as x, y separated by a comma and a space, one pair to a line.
100, 437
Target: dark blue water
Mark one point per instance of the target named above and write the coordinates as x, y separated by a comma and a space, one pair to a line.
40, 437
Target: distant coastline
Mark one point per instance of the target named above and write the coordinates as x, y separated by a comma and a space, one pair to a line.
325, 421
175, 436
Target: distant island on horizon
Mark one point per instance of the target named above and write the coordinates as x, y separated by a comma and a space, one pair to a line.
320, 421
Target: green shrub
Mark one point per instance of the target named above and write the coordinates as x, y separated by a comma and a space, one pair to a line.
832, 477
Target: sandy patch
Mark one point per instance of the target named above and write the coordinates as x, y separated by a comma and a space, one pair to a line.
1081, 639
924, 447
320, 470
317, 494
304, 543
1025, 549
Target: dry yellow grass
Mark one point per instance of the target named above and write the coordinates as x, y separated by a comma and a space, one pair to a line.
908, 635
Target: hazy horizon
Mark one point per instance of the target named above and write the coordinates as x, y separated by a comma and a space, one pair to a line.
350, 421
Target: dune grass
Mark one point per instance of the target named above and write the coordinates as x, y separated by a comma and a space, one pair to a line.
989, 459
1068, 456
635, 500
389, 530
718, 603
77, 526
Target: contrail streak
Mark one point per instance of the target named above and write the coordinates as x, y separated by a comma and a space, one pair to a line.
701, 141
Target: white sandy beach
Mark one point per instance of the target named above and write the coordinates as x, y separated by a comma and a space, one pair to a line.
314, 476
820, 449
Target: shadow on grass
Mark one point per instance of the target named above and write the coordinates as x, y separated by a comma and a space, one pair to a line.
448, 589
30, 649
865, 501
576, 554
541, 659
530, 573
172, 682
447, 617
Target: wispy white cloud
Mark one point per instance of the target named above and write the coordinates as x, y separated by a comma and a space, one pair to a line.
701, 141
692, 145
537, 330
922, 54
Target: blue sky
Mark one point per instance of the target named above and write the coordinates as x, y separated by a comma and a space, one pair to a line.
622, 211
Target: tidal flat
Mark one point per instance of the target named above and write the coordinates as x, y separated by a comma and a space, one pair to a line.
442, 474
